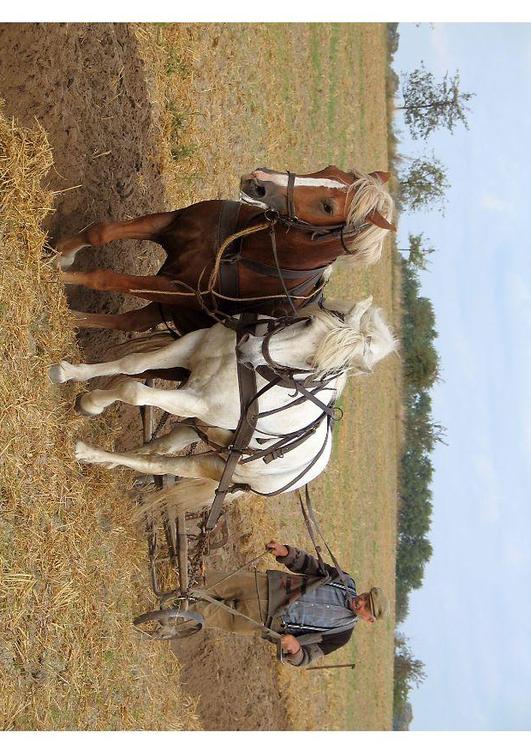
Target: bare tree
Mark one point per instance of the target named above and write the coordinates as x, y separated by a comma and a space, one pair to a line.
429, 105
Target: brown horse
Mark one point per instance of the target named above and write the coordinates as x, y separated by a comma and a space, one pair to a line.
285, 233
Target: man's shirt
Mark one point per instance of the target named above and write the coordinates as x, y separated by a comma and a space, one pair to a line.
320, 609
305, 604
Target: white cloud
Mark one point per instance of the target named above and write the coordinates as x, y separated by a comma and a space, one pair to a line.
527, 56
495, 203
519, 291
516, 555
525, 428
443, 60
487, 484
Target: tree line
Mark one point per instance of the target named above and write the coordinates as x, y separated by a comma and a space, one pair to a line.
427, 105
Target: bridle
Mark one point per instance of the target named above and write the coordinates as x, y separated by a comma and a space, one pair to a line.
318, 231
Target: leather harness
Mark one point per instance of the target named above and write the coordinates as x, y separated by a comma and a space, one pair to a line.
275, 375
229, 269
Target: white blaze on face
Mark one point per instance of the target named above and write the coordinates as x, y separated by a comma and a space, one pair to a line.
244, 198
281, 179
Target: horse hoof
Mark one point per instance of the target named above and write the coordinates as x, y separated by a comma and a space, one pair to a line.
80, 451
56, 374
64, 262
79, 409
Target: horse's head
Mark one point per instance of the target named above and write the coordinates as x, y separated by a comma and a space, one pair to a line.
322, 198
356, 337
356, 201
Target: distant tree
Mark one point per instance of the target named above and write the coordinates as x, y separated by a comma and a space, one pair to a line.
422, 366
421, 360
417, 251
412, 556
422, 431
402, 717
406, 667
429, 105
402, 601
408, 673
423, 183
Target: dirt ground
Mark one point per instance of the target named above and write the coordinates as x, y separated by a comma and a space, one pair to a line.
86, 86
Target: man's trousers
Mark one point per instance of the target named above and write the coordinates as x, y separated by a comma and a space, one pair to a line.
245, 592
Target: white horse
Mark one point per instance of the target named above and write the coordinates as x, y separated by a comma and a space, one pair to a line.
330, 343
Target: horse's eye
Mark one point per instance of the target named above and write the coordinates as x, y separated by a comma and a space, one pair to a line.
328, 208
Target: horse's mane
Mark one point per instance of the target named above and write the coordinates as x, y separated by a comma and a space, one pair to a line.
355, 344
368, 193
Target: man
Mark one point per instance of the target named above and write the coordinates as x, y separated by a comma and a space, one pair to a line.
313, 607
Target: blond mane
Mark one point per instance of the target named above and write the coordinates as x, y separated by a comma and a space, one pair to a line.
366, 194
354, 344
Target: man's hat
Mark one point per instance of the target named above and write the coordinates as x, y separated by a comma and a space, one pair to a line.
378, 603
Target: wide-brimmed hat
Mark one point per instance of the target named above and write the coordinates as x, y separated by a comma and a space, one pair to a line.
378, 603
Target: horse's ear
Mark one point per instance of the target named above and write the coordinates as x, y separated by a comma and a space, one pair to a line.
382, 176
376, 218
363, 369
364, 304
358, 310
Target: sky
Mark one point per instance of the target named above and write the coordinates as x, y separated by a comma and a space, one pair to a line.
470, 621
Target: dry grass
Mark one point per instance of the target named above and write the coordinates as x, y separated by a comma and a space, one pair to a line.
300, 96
70, 560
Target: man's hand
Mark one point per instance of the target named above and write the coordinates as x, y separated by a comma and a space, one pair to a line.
277, 549
290, 645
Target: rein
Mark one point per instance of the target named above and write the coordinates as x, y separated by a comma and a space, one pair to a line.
312, 527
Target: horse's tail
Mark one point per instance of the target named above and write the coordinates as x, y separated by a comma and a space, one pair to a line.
185, 496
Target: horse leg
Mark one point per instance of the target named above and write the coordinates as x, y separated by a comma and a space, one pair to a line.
144, 228
176, 354
181, 437
204, 466
135, 320
155, 288
181, 402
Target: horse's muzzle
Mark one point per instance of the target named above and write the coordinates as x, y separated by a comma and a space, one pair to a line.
253, 188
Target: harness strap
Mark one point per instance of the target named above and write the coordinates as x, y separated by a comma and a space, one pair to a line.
288, 382
299, 476
244, 430
284, 445
311, 523
229, 282
289, 273
175, 334
280, 276
289, 195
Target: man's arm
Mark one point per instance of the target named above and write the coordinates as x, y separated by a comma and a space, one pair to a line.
299, 561
311, 652
306, 656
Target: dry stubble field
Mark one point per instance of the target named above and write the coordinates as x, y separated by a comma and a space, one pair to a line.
224, 99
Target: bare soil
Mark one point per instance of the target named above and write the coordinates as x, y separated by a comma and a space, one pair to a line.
86, 85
